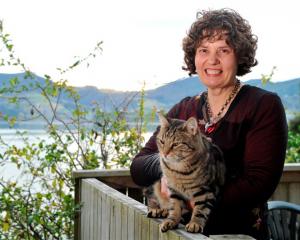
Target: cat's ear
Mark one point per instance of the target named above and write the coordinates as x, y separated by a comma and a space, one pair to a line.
162, 119
192, 125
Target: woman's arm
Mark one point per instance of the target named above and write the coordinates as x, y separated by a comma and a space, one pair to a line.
145, 166
264, 156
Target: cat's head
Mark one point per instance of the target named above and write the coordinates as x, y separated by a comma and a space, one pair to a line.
179, 139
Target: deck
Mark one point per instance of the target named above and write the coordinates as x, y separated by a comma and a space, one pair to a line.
112, 207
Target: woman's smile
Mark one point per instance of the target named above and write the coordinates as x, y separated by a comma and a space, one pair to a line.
216, 63
211, 71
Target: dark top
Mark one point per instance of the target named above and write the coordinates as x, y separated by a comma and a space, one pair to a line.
253, 138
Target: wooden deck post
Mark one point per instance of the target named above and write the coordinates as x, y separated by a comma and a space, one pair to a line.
77, 220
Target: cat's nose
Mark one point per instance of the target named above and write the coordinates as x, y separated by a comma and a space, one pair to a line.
166, 153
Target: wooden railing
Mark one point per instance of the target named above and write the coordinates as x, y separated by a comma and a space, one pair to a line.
289, 186
112, 207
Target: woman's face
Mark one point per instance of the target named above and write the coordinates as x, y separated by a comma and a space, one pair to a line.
216, 63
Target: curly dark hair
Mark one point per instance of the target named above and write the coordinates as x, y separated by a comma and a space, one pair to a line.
224, 23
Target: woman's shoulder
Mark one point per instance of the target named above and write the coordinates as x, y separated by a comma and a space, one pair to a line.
256, 94
255, 98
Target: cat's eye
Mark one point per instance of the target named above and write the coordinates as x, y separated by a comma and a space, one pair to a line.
189, 147
175, 144
161, 141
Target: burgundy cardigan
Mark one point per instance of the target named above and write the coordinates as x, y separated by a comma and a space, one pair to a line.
253, 138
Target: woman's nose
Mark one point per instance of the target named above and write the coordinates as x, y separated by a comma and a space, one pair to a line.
213, 58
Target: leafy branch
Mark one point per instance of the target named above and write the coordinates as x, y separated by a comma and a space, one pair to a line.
38, 203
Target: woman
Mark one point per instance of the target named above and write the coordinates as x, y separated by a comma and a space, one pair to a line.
247, 123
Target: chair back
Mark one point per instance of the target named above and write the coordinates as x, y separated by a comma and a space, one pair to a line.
283, 220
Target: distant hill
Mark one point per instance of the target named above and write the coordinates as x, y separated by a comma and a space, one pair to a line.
167, 95
162, 97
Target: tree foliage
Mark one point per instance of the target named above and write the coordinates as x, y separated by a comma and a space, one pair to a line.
38, 202
293, 149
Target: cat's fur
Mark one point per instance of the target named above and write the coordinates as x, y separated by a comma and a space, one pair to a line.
194, 169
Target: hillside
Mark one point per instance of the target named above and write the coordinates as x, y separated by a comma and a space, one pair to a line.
167, 95
162, 97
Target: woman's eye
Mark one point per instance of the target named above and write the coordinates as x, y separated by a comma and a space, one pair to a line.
224, 51
202, 50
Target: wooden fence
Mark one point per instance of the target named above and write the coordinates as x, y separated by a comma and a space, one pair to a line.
112, 207
289, 186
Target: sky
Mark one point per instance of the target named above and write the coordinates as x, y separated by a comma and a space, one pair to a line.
142, 40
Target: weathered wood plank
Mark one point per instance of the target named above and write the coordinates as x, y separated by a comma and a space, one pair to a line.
145, 228
184, 235
112, 225
120, 182
95, 173
294, 193
230, 237
281, 192
105, 217
85, 215
131, 221
124, 222
154, 230
293, 167
118, 220
91, 198
77, 221
98, 215
137, 225
173, 235
163, 236
290, 176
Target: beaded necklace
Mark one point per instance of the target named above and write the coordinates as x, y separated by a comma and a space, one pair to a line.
210, 125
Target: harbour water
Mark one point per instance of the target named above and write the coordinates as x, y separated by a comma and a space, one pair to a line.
9, 171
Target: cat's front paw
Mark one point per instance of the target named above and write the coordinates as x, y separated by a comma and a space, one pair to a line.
157, 213
168, 224
194, 227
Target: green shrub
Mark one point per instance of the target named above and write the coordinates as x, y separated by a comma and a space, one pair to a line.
293, 148
39, 203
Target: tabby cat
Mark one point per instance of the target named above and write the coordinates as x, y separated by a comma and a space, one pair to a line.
194, 170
